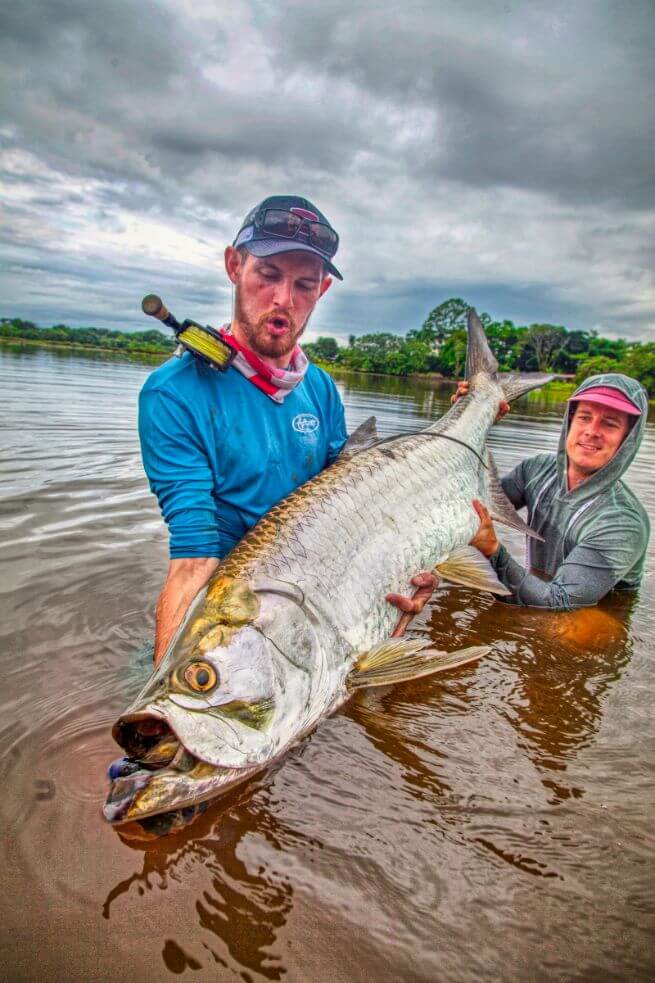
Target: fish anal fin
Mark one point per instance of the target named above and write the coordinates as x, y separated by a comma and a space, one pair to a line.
502, 509
365, 436
397, 660
467, 566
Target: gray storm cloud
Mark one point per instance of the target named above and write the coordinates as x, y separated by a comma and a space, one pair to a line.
501, 151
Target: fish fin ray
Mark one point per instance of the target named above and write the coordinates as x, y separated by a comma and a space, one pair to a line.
518, 385
399, 660
502, 509
365, 436
467, 566
479, 357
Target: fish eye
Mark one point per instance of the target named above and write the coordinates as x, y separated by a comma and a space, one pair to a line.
200, 676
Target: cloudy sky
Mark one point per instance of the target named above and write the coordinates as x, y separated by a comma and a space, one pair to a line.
498, 151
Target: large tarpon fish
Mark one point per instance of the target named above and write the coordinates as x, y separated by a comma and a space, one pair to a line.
295, 617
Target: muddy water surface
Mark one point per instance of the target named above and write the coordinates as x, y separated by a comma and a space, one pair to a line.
493, 824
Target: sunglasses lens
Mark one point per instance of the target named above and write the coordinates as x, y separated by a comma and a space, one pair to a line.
280, 223
323, 238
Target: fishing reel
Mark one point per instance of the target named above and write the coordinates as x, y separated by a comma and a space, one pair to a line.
202, 341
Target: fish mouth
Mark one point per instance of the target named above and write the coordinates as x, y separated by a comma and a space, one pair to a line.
139, 733
158, 775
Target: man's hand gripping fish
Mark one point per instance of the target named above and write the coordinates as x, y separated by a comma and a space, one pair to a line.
295, 618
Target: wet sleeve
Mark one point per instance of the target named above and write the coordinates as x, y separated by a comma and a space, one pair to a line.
589, 571
338, 432
180, 475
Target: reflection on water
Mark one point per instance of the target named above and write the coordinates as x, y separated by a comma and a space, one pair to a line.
494, 823
242, 910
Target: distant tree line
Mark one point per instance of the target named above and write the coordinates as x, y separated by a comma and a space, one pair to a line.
150, 342
440, 346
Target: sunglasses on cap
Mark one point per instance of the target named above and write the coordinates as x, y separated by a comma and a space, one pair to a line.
284, 224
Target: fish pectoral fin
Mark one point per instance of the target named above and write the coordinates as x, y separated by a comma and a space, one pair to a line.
467, 566
398, 660
365, 436
502, 509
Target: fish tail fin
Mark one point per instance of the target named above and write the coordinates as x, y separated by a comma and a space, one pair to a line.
518, 385
480, 358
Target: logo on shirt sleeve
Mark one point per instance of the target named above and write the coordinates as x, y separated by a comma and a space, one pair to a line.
305, 423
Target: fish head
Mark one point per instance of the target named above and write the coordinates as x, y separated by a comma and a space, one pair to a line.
224, 701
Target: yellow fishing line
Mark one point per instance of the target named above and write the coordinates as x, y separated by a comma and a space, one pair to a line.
203, 343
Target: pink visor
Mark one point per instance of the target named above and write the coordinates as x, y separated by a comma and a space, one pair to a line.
607, 396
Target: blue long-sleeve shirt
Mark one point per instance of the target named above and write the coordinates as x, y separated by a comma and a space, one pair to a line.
219, 453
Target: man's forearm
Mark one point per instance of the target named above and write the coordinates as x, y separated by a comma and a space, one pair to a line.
185, 578
580, 582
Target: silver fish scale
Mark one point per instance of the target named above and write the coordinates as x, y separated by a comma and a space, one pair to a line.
391, 511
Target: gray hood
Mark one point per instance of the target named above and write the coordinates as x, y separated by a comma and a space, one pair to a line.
616, 468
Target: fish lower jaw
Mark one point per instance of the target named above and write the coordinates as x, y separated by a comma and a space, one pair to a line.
157, 793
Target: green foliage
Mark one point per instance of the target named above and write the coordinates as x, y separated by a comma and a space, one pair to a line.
322, 350
438, 346
543, 340
504, 339
371, 351
577, 342
595, 366
444, 320
452, 353
639, 362
610, 347
564, 361
152, 341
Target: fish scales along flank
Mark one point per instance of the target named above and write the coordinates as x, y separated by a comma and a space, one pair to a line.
295, 618
381, 506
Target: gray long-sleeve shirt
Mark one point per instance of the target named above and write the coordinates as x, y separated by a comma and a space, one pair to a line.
595, 536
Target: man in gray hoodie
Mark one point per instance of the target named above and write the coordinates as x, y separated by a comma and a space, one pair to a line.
595, 530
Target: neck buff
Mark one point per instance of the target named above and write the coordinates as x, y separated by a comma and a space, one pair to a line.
276, 383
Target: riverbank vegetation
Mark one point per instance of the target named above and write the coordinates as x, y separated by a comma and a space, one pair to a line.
438, 347
151, 342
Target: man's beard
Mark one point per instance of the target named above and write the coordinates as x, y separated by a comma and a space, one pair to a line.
256, 332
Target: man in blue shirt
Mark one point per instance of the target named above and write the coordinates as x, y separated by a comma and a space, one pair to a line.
220, 449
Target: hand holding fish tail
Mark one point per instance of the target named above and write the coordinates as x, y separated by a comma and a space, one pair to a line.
463, 390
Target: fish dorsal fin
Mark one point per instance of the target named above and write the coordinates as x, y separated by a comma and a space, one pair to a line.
365, 436
479, 357
502, 509
467, 566
397, 660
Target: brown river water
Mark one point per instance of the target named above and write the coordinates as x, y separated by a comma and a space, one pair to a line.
493, 824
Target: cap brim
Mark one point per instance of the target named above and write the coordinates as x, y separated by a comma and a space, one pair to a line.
618, 402
271, 247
